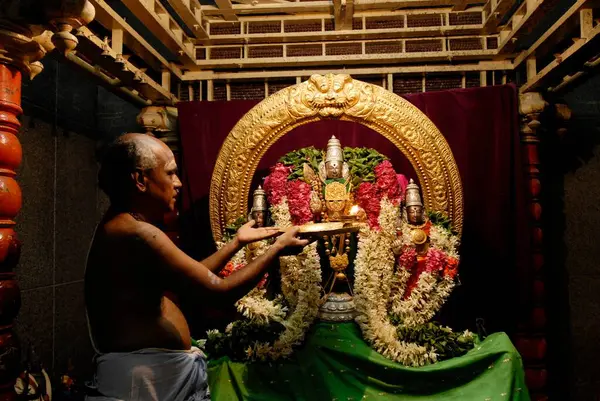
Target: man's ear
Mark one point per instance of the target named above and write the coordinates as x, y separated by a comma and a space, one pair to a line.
139, 179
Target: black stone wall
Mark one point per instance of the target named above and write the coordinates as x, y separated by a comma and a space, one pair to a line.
66, 118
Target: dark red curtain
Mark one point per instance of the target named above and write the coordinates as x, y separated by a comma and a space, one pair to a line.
481, 127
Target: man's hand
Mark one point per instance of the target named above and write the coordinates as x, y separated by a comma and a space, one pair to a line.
247, 233
289, 243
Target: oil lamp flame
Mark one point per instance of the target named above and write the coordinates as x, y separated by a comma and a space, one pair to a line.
354, 210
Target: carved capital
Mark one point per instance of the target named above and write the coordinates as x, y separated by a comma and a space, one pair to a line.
23, 38
65, 16
563, 115
17, 48
563, 112
158, 120
531, 103
161, 121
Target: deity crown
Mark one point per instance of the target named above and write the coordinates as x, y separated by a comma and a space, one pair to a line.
413, 194
259, 201
334, 150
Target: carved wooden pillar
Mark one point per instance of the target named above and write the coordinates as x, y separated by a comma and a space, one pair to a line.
161, 122
18, 56
531, 340
10, 204
23, 41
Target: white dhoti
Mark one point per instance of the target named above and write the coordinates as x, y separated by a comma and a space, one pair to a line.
151, 375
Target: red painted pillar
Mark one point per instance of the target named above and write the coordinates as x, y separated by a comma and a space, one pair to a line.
10, 204
531, 340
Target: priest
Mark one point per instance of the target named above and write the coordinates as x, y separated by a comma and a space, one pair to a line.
135, 274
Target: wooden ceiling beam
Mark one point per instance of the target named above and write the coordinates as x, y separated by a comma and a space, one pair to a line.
158, 20
111, 20
281, 34
357, 14
297, 37
549, 37
249, 2
97, 54
343, 11
411, 69
561, 65
509, 33
321, 6
495, 11
226, 10
568, 80
324, 58
460, 5
191, 14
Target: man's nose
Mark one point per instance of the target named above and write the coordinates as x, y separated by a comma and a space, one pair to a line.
177, 182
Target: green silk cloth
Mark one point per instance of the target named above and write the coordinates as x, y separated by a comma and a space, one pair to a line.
335, 363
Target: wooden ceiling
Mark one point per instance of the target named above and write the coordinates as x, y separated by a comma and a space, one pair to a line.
150, 48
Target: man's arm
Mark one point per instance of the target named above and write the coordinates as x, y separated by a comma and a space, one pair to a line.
217, 261
182, 267
245, 235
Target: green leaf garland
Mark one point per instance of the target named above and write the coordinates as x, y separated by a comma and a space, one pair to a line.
361, 161
242, 336
441, 219
231, 229
297, 158
446, 343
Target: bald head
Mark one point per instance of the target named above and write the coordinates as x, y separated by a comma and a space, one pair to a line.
127, 154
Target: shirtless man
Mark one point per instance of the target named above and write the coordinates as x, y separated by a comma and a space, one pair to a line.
135, 272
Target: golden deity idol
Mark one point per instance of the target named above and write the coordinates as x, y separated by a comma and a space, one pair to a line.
336, 200
260, 214
416, 221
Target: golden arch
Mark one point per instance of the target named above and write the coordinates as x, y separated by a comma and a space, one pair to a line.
344, 98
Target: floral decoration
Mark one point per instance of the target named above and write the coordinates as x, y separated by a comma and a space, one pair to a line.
387, 182
388, 318
298, 197
275, 184
368, 199
395, 297
271, 328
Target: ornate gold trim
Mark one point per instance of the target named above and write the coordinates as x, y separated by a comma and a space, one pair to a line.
344, 98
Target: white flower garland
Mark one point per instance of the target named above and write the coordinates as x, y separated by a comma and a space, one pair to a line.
432, 290
373, 271
379, 290
307, 267
257, 307
428, 296
281, 214
301, 286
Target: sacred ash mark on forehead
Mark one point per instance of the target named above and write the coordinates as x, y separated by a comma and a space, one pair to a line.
171, 164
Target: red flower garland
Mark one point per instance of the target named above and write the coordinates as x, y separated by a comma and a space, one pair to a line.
408, 258
298, 196
275, 184
402, 182
436, 261
263, 281
451, 268
387, 182
367, 198
230, 268
368, 195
